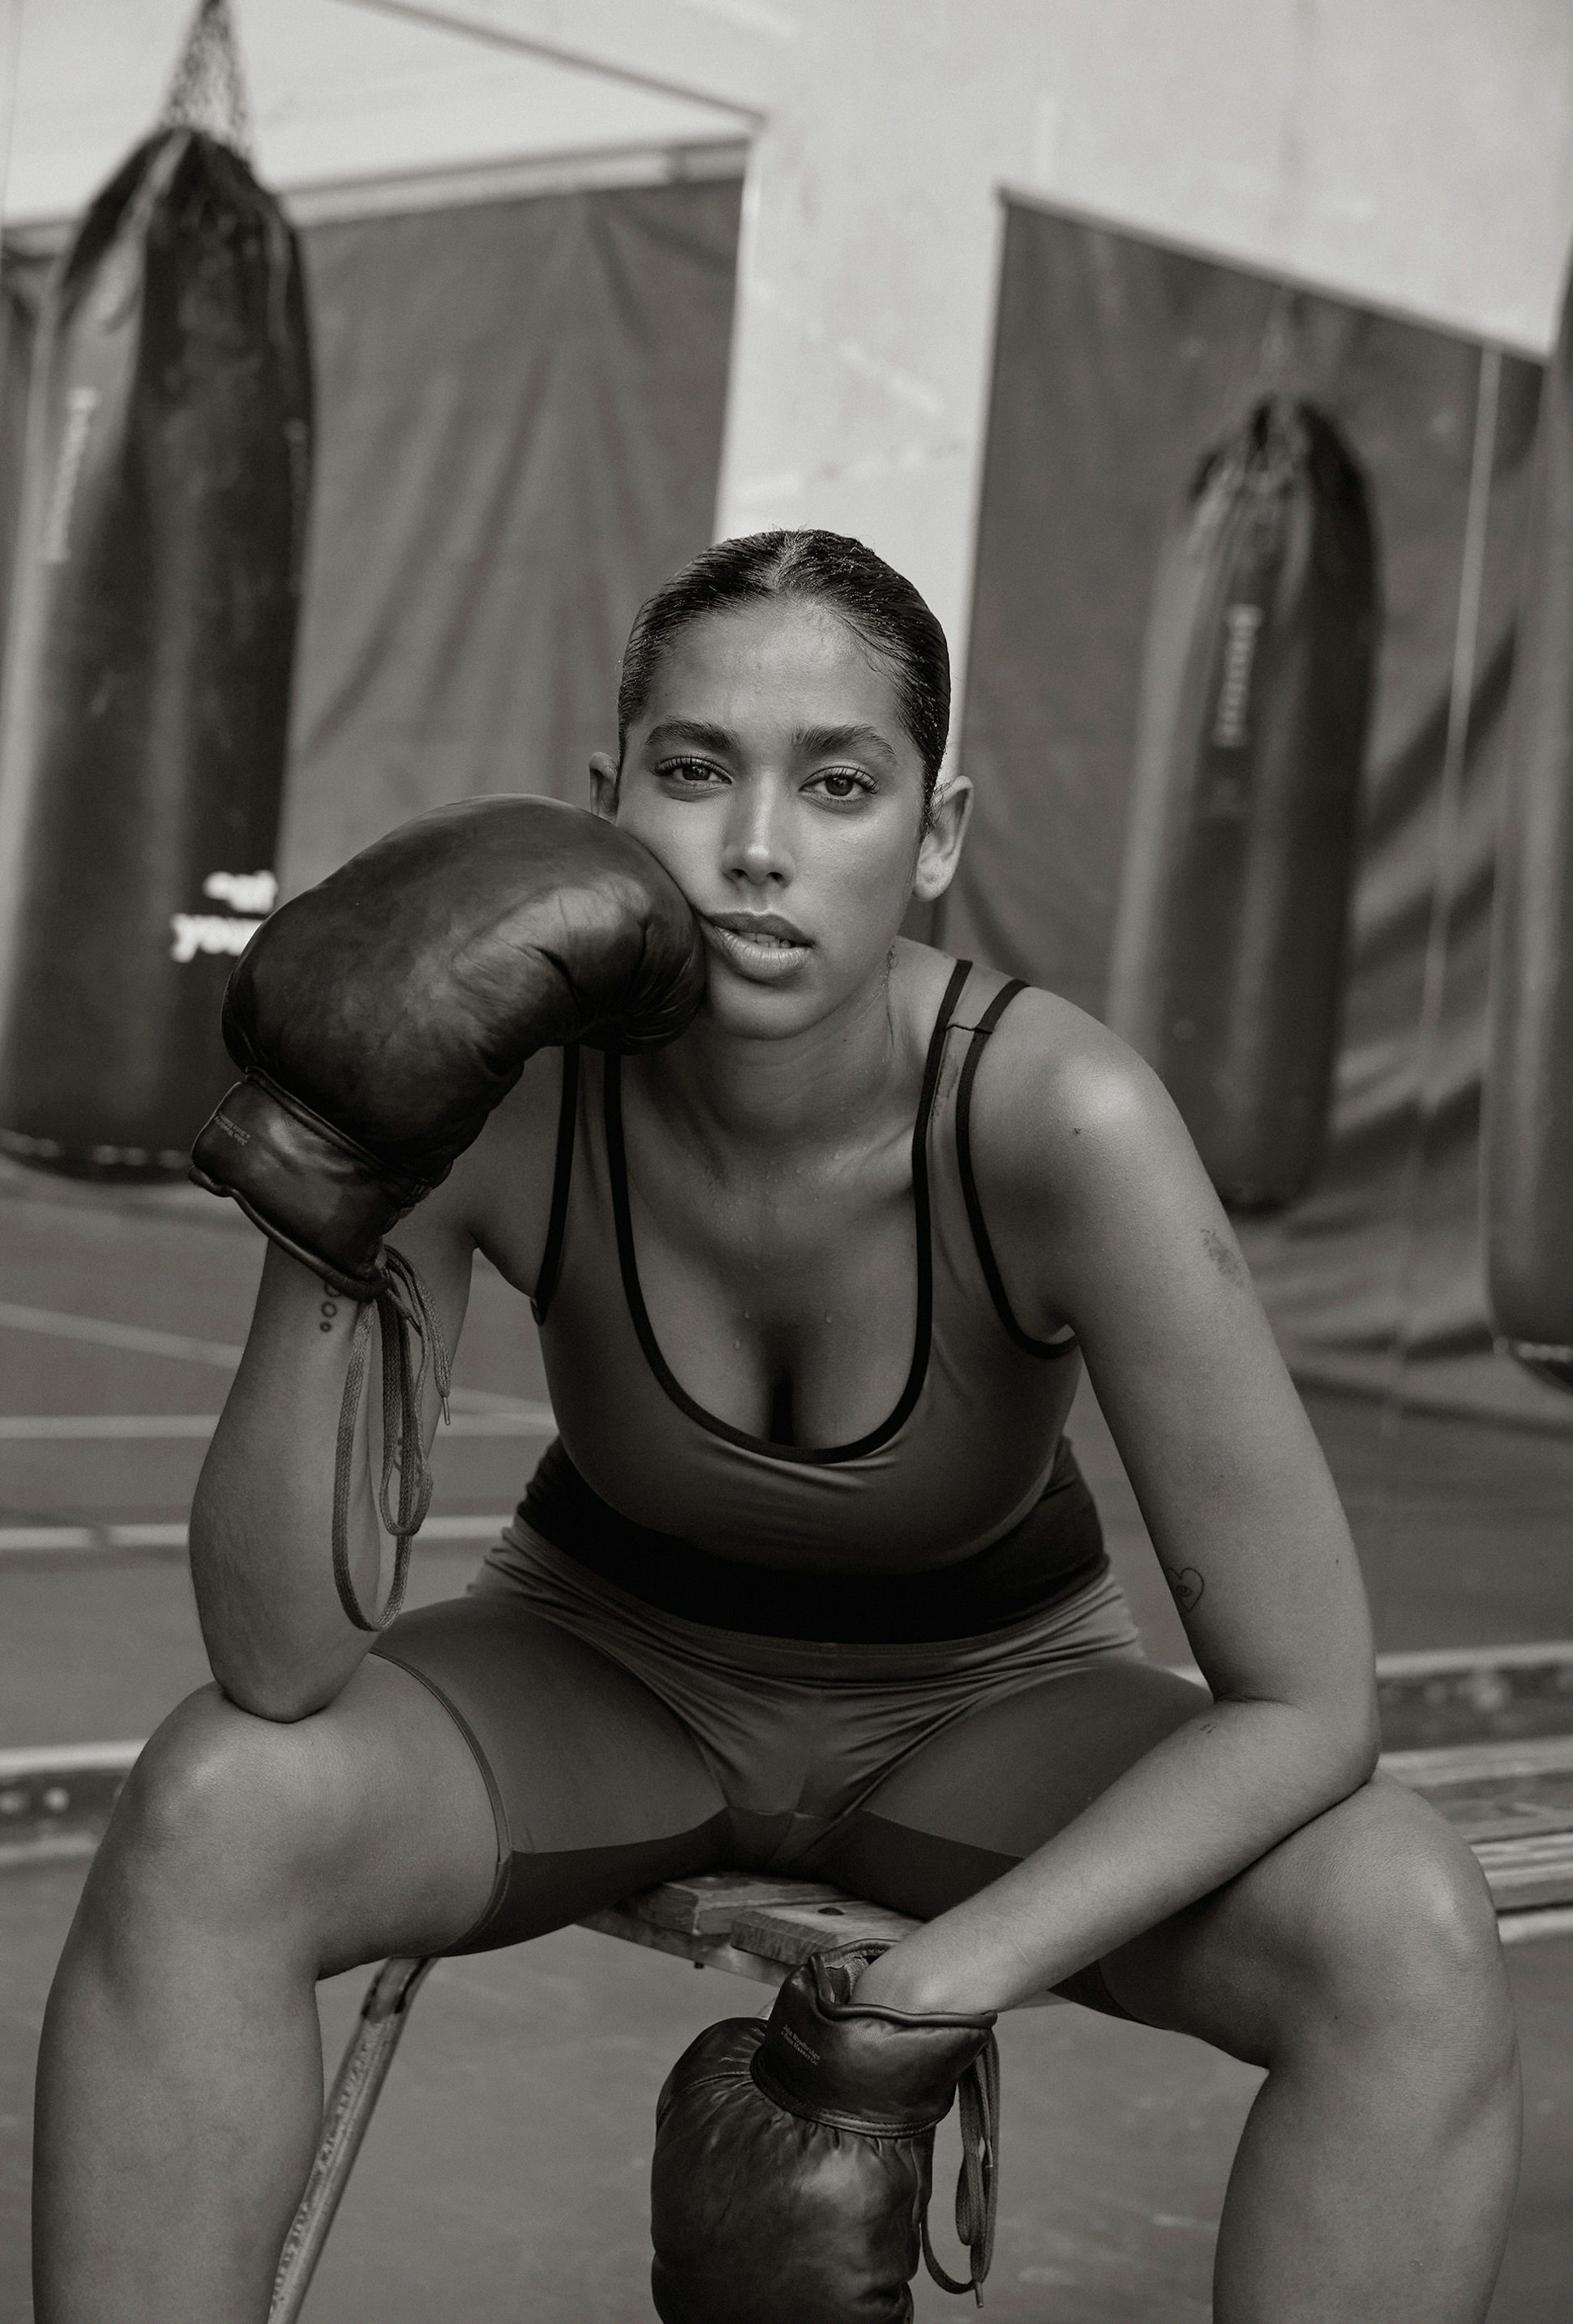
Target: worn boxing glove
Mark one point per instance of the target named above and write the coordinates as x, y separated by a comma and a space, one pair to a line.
381, 1016
793, 2157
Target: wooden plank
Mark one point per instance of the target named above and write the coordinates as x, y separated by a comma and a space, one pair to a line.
709, 1902
1482, 1761
791, 1932
1535, 1870
703, 1953
1459, 1695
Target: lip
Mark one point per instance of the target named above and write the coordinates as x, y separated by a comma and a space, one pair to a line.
760, 947
758, 924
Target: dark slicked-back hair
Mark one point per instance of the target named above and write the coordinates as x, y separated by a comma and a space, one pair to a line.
827, 568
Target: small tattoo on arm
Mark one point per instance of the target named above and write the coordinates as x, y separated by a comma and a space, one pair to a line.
329, 1310
1186, 1583
1226, 1260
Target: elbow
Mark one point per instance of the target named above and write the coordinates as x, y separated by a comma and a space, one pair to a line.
1350, 1740
1363, 1757
1331, 1744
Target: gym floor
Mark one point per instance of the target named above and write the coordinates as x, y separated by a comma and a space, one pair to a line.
507, 2165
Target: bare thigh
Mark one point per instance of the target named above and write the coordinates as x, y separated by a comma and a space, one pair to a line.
1375, 1915
364, 1830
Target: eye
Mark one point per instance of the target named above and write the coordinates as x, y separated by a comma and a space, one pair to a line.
692, 774
842, 783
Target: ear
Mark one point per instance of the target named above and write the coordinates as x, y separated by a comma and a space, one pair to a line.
940, 849
603, 781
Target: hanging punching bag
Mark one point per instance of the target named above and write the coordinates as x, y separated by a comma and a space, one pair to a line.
1255, 701
20, 289
146, 690
1528, 1134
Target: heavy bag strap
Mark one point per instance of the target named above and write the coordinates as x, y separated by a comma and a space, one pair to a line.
208, 92
976, 2184
411, 1344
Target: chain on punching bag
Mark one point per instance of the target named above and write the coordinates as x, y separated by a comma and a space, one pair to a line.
1528, 1136
147, 676
1256, 698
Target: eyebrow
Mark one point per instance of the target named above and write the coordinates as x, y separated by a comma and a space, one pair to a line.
812, 740
703, 736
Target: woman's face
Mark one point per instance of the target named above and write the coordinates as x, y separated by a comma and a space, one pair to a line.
771, 772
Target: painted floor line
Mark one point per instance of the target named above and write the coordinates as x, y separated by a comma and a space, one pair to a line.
132, 1337
504, 1418
116, 1540
18, 1761
96, 1331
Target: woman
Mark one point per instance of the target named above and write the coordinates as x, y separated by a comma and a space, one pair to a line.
811, 1580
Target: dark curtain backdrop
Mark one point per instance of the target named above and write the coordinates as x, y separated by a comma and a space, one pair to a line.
1118, 364
519, 417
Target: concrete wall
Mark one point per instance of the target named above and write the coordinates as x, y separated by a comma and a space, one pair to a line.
1414, 154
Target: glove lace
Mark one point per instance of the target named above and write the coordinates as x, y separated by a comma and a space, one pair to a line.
976, 2188
412, 1344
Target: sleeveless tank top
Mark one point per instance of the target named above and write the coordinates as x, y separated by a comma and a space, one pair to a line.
962, 1511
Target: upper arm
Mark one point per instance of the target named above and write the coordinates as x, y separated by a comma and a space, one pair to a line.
1113, 1226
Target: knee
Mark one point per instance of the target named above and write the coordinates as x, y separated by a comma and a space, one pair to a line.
217, 1821
1394, 1938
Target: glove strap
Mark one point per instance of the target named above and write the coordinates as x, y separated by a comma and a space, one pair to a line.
977, 2186
412, 1344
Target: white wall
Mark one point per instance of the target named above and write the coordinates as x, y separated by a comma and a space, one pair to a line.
1414, 154
338, 92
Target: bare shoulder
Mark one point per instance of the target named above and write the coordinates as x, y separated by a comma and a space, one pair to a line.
1060, 1099
1086, 1174
499, 1190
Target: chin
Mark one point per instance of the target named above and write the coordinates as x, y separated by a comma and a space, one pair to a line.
755, 1012
775, 1012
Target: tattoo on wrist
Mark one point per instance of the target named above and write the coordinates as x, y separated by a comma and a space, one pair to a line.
1186, 1583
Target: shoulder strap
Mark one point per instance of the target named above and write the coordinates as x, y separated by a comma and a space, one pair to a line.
985, 1249
551, 1265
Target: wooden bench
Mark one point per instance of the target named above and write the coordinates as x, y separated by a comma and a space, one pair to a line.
1487, 1736
1512, 1800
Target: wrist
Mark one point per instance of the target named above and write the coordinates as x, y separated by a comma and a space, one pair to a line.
903, 1978
311, 1189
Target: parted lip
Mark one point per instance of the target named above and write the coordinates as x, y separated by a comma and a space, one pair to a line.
758, 924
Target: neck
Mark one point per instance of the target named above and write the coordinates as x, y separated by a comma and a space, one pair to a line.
808, 1088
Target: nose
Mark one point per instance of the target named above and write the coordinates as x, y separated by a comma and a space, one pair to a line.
755, 846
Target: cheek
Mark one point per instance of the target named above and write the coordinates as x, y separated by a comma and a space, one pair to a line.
868, 865
674, 839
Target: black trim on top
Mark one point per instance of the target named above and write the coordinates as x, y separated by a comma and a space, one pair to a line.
809, 1455
970, 1195
551, 1265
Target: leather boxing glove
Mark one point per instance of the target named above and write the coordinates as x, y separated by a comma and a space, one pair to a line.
381, 1016
793, 2157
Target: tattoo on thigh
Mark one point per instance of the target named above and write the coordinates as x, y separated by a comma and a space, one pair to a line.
329, 1310
1186, 1583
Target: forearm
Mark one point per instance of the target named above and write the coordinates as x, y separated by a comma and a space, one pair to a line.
1199, 1807
262, 1521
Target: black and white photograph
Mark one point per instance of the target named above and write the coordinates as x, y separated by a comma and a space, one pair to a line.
786, 1161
